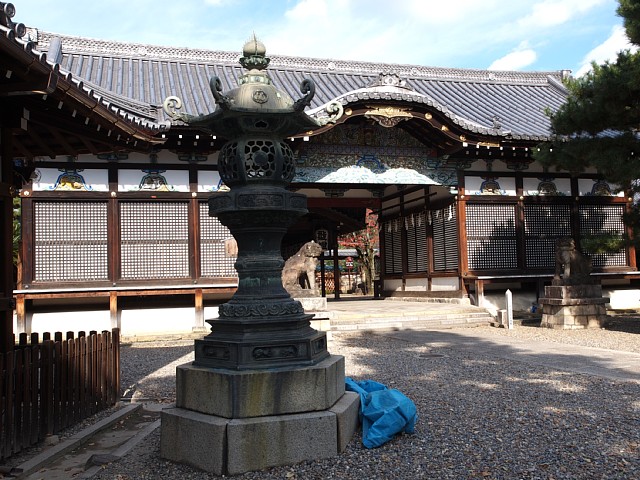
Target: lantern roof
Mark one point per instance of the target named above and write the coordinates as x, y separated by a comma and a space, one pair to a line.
255, 106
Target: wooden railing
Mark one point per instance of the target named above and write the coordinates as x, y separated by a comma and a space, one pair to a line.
49, 385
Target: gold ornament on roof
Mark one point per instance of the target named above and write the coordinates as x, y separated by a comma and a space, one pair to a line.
388, 116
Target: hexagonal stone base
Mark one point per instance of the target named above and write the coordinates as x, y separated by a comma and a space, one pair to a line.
255, 393
232, 446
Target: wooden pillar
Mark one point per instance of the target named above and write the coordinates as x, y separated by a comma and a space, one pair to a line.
194, 225
199, 305
463, 253
6, 242
21, 318
631, 251
323, 281
336, 266
114, 313
113, 226
479, 293
521, 247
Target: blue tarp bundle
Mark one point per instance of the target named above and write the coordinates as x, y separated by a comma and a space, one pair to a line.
384, 411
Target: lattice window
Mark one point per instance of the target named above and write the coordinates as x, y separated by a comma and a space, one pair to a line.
600, 221
216, 247
543, 225
491, 236
392, 235
445, 239
154, 240
70, 241
417, 258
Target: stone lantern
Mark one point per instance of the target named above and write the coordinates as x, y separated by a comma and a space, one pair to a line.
263, 389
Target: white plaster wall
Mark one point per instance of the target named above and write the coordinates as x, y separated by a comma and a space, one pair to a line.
622, 299
157, 320
208, 181
96, 179
444, 284
392, 285
129, 180
586, 184
71, 321
473, 184
522, 301
211, 312
417, 285
530, 186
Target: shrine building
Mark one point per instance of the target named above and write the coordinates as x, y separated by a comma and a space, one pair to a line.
114, 208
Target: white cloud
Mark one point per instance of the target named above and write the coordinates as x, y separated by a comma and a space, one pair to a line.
307, 10
517, 60
426, 32
550, 13
608, 50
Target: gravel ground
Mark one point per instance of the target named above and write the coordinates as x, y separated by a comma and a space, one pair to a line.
479, 417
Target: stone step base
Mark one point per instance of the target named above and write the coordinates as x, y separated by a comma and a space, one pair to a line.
470, 319
226, 446
430, 297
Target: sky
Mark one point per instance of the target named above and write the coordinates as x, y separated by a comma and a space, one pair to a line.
526, 35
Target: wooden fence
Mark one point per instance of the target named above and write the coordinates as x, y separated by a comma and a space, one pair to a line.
49, 385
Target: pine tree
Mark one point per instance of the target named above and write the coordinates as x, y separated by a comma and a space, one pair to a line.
599, 124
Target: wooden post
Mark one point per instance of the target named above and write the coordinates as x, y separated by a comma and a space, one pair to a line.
336, 266
114, 314
6, 242
479, 293
21, 319
199, 305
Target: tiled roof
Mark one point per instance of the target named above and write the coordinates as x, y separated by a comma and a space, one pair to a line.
135, 114
509, 104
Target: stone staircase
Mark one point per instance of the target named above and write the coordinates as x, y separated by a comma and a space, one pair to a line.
400, 315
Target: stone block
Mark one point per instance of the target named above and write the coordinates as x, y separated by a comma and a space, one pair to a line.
573, 291
257, 443
313, 304
193, 438
254, 393
347, 411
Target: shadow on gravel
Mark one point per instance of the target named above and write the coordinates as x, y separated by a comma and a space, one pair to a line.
624, 322
561, 356
143, 359
489, 410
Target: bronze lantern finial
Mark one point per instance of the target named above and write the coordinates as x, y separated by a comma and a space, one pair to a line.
254, 55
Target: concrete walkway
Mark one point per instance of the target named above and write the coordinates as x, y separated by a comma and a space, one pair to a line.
611, 364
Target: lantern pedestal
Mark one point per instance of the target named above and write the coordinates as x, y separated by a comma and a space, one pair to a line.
233, 422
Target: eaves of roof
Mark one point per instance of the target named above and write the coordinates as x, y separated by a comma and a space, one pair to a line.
118, 111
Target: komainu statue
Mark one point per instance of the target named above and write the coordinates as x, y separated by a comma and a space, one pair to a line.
572, 267
299, 272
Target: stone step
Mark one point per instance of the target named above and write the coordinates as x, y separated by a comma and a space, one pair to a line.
463, 317
399, 320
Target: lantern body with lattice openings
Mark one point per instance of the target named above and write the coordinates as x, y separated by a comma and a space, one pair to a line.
256, 160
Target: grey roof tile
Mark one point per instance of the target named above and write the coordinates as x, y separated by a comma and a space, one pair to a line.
142, 76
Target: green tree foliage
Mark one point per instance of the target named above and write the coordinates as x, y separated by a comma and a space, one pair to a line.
599, 124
